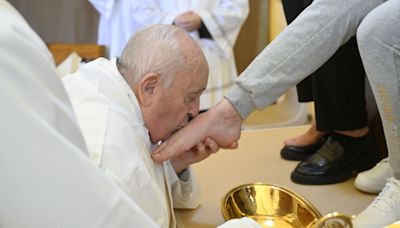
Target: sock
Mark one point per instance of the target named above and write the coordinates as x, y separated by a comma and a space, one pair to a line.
348, 142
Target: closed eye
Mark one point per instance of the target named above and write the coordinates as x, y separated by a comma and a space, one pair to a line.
190, 99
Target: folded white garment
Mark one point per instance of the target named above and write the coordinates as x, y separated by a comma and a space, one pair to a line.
244, 222
69, 65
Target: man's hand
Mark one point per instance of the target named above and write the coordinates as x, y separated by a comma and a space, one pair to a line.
188, 21
222, 123
198, 153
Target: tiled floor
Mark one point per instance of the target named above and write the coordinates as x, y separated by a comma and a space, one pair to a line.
257, 160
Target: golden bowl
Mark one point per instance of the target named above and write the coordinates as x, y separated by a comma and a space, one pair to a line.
394, 225
276, 206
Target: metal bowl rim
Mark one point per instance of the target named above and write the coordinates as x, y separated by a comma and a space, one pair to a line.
285, 189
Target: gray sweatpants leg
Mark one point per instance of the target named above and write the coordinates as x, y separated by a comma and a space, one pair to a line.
307, 43
379, 44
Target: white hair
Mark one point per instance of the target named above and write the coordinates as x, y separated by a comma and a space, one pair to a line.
155, 49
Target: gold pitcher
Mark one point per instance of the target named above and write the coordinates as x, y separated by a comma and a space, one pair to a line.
275, 206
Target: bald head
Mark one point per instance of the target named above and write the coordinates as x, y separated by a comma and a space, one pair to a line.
161, 49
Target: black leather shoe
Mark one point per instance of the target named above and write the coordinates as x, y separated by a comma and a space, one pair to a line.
300, 153
333, 163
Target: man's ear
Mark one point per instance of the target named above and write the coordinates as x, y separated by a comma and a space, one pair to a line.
148, 87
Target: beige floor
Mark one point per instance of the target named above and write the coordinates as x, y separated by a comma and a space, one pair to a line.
257, 160
287, 111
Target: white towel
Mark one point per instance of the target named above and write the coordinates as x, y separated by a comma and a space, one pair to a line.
244, 222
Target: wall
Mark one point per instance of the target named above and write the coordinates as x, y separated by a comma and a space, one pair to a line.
60, 21
253, 36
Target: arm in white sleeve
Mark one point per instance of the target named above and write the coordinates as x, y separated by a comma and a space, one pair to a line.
224, 22
186, 193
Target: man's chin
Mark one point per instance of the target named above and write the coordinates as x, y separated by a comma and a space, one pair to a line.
155, 140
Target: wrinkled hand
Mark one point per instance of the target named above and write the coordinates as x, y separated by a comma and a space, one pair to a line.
188, 21
222, 123
198, 153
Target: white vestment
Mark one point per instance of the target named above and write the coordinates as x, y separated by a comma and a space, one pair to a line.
116, 24
223, 19
119, 143
46, 178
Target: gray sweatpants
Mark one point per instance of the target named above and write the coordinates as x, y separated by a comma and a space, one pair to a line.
312, 39
378, 39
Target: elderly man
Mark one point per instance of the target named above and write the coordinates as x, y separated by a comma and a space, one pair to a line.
127, 106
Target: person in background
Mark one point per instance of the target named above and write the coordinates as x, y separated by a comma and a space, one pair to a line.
126, 106
340, 130
116, 24
214, 24
290, 58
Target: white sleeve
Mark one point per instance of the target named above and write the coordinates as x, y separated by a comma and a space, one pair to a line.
46, 178
148, 13
185, 194
224, 22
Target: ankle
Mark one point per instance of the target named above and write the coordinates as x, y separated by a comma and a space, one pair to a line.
305, 139
357, 133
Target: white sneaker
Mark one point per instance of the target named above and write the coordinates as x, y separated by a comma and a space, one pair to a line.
384, 210
374, 180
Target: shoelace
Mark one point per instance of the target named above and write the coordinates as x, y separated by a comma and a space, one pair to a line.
389, 197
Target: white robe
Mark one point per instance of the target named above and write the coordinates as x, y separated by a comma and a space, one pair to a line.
119, 143
46, 178
223, 19
116, 24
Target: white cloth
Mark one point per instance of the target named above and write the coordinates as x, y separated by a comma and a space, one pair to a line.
223, 19
119, 143
116, 24
243, 222
46, 177
69, 65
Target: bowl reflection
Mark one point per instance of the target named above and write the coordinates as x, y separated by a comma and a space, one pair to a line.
269, 205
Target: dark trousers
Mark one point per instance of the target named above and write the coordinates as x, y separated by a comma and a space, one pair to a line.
338, 87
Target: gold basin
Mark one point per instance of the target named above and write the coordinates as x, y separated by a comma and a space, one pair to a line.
276, 206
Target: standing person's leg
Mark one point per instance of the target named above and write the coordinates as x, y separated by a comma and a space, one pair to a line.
306, 144
306, 44
379, 43
345, 110
340, 108
338, 91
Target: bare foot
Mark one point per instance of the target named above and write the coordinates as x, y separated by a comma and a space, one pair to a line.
222, 123
310, 137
